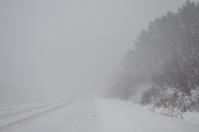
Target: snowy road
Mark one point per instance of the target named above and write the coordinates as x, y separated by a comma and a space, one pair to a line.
101, 115
21, 114
75, 117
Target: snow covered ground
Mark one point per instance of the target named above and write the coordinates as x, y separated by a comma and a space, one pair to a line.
13, 115
100, 115
118, 116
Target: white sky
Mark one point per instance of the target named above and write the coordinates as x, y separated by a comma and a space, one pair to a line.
65, 48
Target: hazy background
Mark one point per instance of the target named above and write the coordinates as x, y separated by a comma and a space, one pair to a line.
63, 49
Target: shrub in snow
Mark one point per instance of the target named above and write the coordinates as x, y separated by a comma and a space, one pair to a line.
168, 101
159, 97
150, 96
184, 102
195, 95
173, 114
195, 99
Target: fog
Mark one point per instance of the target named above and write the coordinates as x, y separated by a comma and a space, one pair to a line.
64, 49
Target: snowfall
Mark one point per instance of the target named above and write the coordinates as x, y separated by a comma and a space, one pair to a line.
92, 115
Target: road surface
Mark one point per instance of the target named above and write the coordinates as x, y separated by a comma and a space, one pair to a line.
101, 115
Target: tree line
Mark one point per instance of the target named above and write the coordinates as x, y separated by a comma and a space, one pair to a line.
166, 54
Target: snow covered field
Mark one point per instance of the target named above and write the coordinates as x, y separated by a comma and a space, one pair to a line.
96, 115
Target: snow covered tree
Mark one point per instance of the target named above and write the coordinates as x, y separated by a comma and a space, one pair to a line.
167, 53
